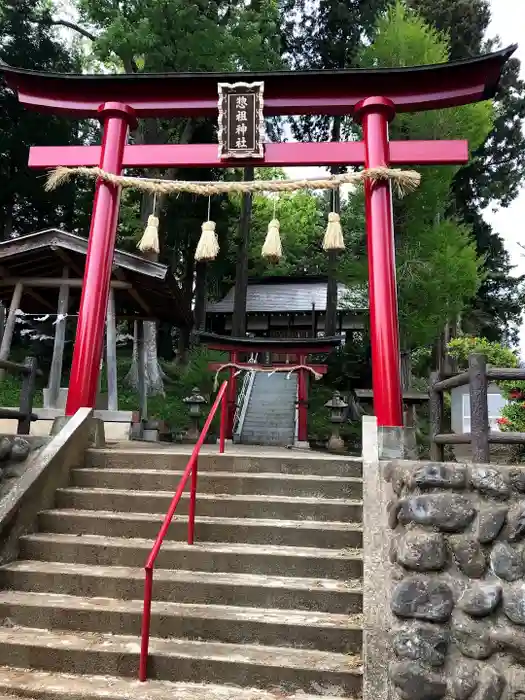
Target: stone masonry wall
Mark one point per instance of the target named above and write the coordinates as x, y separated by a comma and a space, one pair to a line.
457, 590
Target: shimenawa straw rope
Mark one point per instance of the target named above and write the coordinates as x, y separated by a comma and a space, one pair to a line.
404, 181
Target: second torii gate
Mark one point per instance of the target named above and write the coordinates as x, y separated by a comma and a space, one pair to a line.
372, 96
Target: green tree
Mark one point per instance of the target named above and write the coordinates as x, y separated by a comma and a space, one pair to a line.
438, 268
177, 35
26, 41
495, 172
303, 220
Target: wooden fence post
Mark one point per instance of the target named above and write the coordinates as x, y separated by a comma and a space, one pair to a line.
437, 452
27, 395
479, 412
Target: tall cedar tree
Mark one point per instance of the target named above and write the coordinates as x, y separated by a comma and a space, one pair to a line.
495, 172
330, 34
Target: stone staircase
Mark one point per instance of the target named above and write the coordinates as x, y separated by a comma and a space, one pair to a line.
270, 414
269, 598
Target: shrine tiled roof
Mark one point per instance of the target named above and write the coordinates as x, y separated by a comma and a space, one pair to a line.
278, 295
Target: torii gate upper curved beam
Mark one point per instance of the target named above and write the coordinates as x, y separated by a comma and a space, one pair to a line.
328, 92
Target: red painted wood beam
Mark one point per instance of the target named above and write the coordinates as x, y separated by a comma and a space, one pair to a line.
411, 89
277, 155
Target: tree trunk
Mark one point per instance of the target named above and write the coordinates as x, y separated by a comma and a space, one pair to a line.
330, 327
154, 374
187, 295
201, 270
406, 370
184, 346
154, 379
241, 272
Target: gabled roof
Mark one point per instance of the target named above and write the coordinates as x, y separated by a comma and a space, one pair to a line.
290, 295
45, 254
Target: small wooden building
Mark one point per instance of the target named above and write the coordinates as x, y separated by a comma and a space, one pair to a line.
42, 273
290, 307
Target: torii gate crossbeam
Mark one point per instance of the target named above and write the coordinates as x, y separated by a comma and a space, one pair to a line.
373, 97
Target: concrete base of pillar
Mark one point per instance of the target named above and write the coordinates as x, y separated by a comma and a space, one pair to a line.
301, 445
397, 443
97, 436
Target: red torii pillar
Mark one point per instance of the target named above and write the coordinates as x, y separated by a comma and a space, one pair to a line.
375, 113
85, 368
294, 93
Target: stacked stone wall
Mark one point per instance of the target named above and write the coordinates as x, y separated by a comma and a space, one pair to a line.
457, 584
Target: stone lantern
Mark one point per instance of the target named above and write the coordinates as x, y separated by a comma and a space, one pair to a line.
337, 408
195, 402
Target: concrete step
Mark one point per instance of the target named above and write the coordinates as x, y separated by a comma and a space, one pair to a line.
205, 556
268, 412
290, 670
275, 428
127, 583
255, 437
293, 461
276, 435
213, 505
61, 686
223, 482
269, 415
293, 533
215, 623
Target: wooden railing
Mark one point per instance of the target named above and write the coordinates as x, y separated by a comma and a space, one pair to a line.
29, 371
191, 470
478, 377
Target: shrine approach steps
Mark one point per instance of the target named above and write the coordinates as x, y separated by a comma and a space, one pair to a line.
270, 412
266, 604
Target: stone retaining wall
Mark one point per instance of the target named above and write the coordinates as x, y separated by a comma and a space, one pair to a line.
457, 583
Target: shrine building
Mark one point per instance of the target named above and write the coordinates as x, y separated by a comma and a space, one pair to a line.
290, 307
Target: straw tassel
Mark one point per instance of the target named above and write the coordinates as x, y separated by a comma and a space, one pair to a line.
272, 249
208, 245
149, 243
333, 237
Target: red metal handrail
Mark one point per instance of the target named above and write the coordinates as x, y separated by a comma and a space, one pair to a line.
191, 469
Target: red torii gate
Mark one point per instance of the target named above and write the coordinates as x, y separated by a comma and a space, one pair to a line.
372, 96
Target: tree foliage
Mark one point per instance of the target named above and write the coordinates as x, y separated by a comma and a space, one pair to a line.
26, 41
325, 35
437, 265
495, 173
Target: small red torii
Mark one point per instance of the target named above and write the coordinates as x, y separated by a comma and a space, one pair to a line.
372, 97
